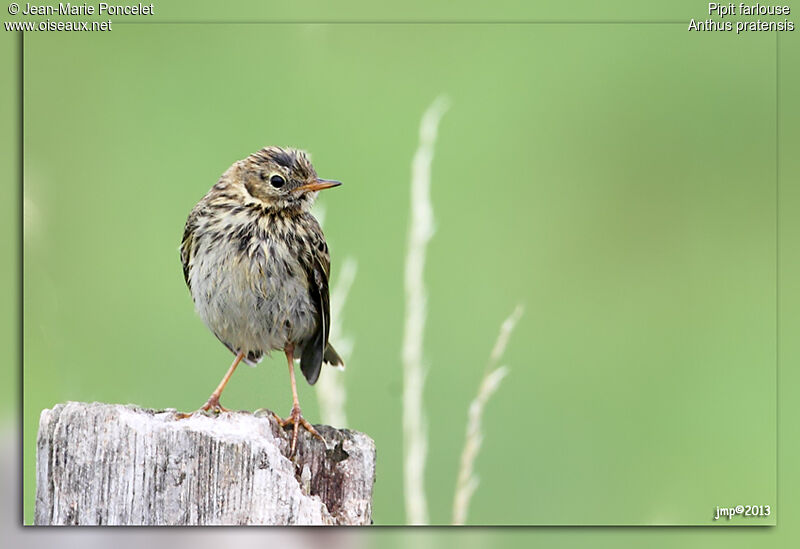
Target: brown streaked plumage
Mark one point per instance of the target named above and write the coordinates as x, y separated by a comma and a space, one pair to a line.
257, 266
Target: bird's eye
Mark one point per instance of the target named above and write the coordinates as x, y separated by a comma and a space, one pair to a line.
277, 181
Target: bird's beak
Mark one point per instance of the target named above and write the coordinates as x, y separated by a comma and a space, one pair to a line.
319, 185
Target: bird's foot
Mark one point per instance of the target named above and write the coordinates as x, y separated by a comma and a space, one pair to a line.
211, 407
296, 419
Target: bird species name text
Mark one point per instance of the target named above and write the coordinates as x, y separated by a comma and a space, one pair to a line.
718, 12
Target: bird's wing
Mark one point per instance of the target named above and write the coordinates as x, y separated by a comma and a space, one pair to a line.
317, 265
188, 246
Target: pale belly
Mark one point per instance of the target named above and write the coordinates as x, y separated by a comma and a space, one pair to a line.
253, 303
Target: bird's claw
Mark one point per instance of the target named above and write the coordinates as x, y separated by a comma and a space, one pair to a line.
212, 407
296, 419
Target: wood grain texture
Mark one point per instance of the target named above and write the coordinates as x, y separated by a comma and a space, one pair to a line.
114, 464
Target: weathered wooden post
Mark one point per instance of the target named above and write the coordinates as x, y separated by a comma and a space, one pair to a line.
113, 464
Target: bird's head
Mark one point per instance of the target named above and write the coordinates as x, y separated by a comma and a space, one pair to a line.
282, 178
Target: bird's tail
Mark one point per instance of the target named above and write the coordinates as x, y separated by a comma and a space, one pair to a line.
332, 357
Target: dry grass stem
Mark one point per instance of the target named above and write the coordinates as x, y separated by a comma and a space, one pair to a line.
331, 391
467, 480
415, 438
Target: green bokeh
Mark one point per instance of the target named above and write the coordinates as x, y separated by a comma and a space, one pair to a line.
618, 180
10, 243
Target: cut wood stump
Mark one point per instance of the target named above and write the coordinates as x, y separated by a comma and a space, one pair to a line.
114, 464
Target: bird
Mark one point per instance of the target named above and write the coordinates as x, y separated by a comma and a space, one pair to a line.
257, 266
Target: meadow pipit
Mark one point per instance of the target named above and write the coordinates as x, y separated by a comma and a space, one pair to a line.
257, 266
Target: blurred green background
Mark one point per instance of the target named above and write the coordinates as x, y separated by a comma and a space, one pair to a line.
618, 180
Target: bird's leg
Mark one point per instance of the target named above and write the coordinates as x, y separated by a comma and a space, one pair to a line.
295, 419
212, 403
